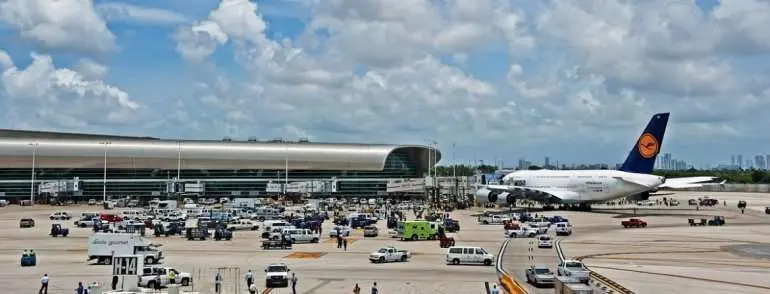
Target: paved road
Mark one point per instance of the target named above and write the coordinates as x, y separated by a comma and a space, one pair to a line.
521, 254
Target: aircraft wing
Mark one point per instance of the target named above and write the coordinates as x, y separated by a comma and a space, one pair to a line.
688, 182
539, 193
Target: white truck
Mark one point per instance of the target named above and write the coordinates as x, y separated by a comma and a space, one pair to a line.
102, 246
388, 254
493, 219
523, 231
154, 275
574, 269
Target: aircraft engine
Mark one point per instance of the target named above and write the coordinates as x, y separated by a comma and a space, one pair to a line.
510, 200
484, 194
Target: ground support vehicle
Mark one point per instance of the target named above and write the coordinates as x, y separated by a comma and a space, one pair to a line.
198, 233
57, 230
276, 244
28, 259
223, 234
26, 223
102, 246
717, 221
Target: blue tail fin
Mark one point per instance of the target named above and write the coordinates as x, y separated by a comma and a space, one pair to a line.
642, 157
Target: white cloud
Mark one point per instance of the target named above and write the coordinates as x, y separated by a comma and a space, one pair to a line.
119, 11
42, 95
91, 69
198, 42
70, 24
5, 60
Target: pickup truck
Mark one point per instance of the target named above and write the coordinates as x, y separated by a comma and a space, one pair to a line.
540, 275
634, 223
493, 219
242, 225
573, 268
388, 254
150, 275
523, 231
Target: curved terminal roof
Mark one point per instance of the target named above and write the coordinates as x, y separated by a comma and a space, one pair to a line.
61, 150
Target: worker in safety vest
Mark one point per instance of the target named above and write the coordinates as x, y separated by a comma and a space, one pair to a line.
171, 277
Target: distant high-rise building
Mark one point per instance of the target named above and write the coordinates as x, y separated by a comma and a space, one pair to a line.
748, 164
547, 162
759, 162
767, 161
739, 160
732, 159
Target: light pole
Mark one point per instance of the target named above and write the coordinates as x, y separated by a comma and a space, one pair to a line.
454, 168
179, 161
286, 170
104, 178
32, 182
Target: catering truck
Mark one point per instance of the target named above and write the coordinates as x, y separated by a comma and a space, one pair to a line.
102, 246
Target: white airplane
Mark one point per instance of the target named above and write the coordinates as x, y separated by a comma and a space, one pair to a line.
585, 187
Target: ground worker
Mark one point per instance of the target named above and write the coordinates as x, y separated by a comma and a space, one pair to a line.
171, 277
249, 278
80, 289
43, 284
293, 283
494, 289
356, 289
217, 283
374, 289
345, 243
32, 252
26, 253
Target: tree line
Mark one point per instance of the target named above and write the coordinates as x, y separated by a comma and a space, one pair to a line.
747, 176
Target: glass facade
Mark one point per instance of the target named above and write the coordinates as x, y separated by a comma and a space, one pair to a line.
15, 183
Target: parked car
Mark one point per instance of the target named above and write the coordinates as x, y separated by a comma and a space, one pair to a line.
26, 223
60, 215
371, 231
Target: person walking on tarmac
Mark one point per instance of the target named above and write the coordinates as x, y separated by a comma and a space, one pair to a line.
494, 289
249, 278
293, 283
356, 289
345, 243
43, 284
374, 289
80, 289
217, 283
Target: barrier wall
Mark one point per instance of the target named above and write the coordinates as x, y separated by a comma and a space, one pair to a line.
506, 281
600, 281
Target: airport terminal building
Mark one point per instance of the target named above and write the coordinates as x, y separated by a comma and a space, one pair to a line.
83, 166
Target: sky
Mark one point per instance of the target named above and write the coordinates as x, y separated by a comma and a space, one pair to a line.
573, 80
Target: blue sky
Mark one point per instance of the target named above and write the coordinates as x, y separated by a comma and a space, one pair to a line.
573, 80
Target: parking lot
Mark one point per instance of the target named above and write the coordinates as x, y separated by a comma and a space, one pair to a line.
320, 268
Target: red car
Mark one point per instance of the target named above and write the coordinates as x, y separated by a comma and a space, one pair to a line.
634, 223
110, 218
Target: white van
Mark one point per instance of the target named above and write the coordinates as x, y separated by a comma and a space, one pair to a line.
468, 255
268, 225
300, 235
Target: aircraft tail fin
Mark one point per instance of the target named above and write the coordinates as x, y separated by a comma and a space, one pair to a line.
641, 158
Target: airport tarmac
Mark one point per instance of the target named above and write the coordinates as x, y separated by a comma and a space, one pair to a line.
669, 256
320, 268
